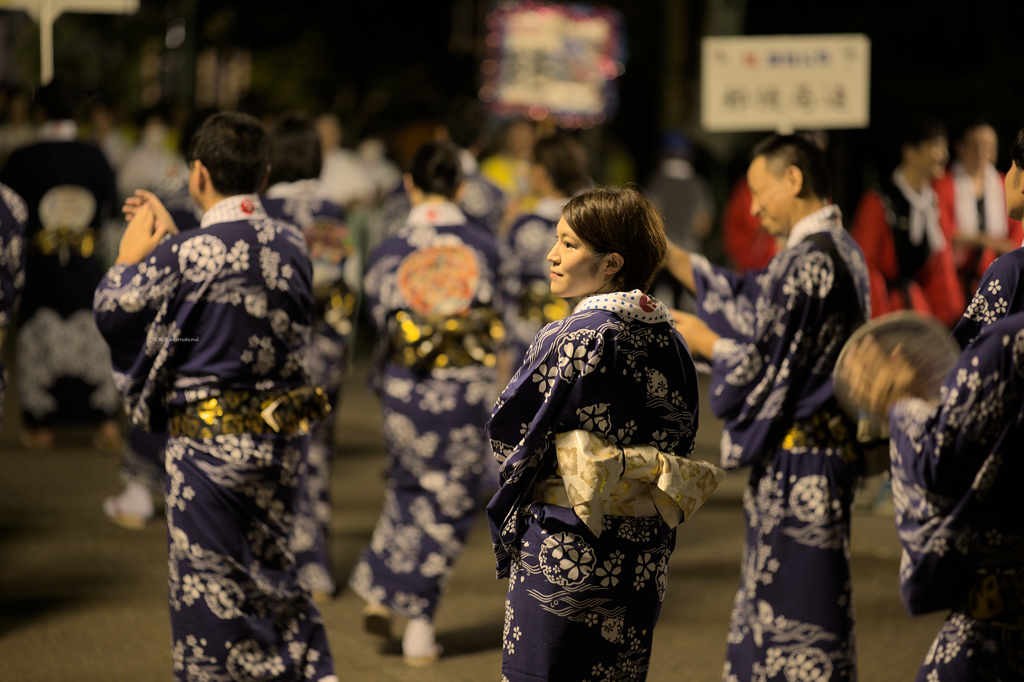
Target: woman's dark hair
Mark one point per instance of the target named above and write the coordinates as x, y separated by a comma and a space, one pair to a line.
621, 220
294, 149
235, 150
436, 169
565, 160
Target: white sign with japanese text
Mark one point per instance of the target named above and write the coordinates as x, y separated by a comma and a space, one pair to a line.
783, 83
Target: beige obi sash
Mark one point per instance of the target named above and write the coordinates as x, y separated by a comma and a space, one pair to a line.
596, 477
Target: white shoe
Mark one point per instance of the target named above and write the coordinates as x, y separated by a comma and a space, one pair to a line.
419, 647
132, 509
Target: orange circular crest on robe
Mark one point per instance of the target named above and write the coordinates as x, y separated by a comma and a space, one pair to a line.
440, 280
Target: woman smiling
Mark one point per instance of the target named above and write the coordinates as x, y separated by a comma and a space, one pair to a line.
592, 434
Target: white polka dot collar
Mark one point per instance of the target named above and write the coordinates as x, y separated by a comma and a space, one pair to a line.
632, 304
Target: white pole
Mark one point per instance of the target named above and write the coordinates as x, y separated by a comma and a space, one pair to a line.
46, 20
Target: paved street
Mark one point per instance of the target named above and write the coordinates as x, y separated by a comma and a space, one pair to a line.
83, 600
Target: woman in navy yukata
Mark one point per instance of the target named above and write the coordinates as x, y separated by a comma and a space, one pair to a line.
432, 292
592, 434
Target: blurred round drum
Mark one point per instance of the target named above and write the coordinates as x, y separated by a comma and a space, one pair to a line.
928, 348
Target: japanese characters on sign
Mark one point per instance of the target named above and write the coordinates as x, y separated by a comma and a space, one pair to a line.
553, 60
785, 82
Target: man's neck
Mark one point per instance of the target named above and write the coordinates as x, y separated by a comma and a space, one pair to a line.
916, 180
209, 199
806, 207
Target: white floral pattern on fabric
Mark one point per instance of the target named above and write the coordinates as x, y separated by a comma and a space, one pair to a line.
797, 502
201, 257
60, 347
13, 217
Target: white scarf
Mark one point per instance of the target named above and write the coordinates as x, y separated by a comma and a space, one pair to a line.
58, 130
924, 214
308, 189
436, 213
994, 201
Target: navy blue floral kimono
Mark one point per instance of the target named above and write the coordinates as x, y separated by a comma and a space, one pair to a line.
782, 329
438, 273
956, 473
330, 244
13, 217
218, 313
1000, 293
582, 607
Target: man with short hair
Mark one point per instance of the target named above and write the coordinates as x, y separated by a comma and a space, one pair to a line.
772, 339
901, 226
1001, 290
208, 331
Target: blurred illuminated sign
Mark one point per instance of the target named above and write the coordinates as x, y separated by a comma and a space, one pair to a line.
553, 60
45, 12
785, 82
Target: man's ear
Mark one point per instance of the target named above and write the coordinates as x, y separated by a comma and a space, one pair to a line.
203, 179
794, 178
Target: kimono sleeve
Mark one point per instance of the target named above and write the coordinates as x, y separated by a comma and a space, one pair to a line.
133, 308
760, 383
947, 458
725, 299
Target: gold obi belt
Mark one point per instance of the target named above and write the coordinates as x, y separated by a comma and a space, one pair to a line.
65, 242
596, 477
255, 412
538, 304
336, 305
425, 342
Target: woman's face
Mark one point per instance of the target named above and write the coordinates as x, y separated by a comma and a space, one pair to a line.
574, 269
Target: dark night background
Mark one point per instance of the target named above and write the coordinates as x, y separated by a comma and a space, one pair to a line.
381, 65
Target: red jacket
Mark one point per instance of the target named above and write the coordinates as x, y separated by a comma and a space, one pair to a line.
934, 290
748, 244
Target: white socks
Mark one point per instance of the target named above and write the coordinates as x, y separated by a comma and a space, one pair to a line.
418, 642
136, 500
